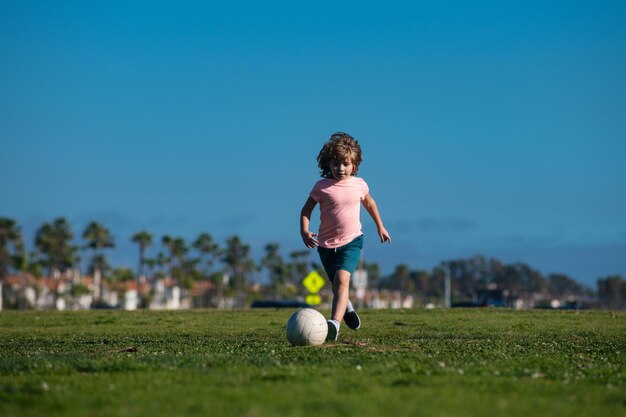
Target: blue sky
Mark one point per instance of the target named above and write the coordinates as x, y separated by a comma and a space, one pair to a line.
487, 128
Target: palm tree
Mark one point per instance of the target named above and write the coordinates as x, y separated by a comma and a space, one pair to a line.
208, 250
276, 268
178, 251
11, 245
98, 238
144, 240
236, 256
150, 263
99, 268
53, 240
299, 265
11, 248
99, 264
168, 242
161, 261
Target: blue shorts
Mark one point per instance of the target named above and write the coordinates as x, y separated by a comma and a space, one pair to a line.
344, 257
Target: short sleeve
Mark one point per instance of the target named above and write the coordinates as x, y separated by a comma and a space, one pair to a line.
365, 190
315, 192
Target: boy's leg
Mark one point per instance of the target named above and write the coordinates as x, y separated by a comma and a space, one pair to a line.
341, 292
341, 289
346, 263
348, 314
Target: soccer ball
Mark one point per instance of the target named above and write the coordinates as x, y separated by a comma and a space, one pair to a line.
307, 327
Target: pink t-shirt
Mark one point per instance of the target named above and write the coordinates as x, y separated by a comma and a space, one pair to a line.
340, 210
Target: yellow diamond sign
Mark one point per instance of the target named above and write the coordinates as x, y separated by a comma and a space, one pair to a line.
313, 282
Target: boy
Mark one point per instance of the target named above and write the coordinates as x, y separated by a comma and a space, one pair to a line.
340, 238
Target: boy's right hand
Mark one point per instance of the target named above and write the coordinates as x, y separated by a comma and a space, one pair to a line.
309, 239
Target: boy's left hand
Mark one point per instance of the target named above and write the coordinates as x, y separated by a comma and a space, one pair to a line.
384, 235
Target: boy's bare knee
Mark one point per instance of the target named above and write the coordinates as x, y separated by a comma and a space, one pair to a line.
342, 278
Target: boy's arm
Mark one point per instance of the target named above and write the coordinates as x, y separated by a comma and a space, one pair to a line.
305, 219
370, 206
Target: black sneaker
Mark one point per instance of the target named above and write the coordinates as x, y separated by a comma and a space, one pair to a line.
333, 331
352, 320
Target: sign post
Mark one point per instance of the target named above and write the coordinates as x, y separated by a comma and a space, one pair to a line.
314, 283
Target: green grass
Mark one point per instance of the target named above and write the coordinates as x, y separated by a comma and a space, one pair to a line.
471, 362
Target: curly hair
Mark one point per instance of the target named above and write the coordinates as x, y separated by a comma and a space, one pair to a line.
340, 147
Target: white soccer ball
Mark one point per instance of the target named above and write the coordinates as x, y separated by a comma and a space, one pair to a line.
307, 327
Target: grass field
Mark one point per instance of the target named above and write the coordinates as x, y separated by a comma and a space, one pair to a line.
471, 362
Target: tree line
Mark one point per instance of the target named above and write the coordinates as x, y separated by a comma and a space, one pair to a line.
54, 252
228, 267
473, 276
